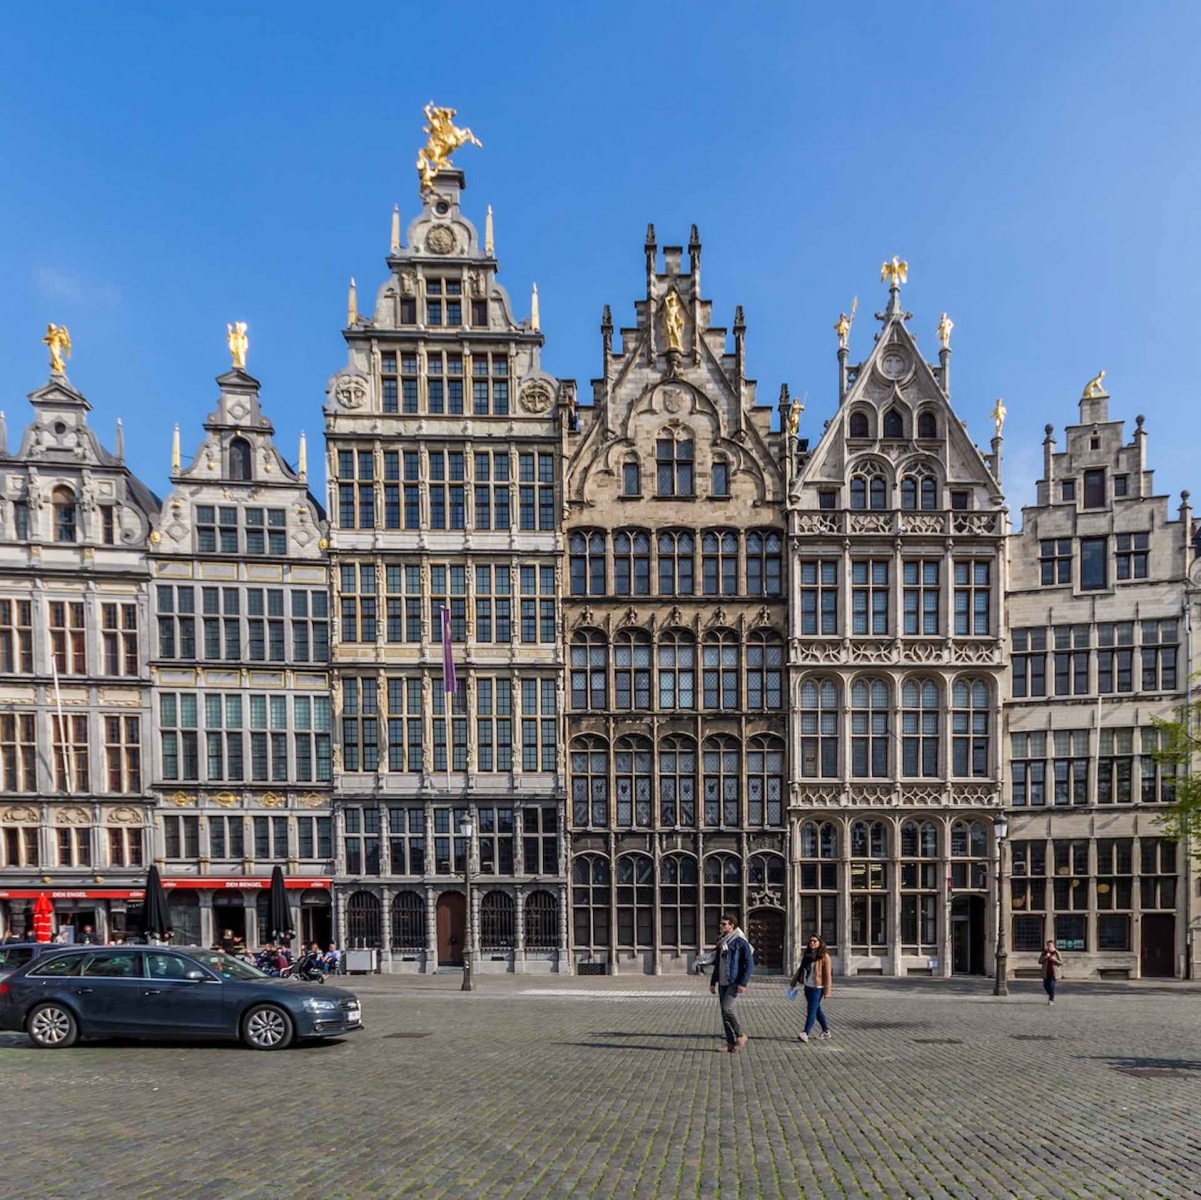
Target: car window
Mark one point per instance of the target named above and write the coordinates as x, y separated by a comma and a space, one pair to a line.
231, 968
12, 958
57, 965
117, 964
171, 966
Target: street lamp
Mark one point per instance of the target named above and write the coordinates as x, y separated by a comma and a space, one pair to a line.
466, 829
1000, 824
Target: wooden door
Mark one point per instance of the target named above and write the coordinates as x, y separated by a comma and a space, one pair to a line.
452, 923
1157, 959
765, 932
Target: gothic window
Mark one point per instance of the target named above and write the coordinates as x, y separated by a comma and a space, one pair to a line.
541, 914
498, 922
869, 839
723, 891
869, 728
894, 426
589, 667
919, 728
719, 558
719, 664
631, 479
677, 781
677, 670
765, 875
764, 671
819, 882
969, 845
674, 466
970, 726
919, 840
240, 461
857, 426
632, 670
919, 490
64, 514
590, 901
676, 564
678, 895
587, 554
590, 781
819, 729
635, 900
631, 563
869, 489
765, 781
408, 921
721, 759
919, 885
633, 762
927, 425
819, 840
764, 550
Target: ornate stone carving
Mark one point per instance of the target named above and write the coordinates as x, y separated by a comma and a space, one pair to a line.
819, 522
824, 796
921, 794
872, 794
181, 800
536, 397
975, 523
224, 799
921, 652
476, 283
351, 391
124, 815
973, 652
408, 282
272, 800
871, 651
312, 800
818, 652
441, 240
880, 522
923, 523
18, 815
974, 793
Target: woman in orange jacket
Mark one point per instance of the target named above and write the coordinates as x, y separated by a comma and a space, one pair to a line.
817, 977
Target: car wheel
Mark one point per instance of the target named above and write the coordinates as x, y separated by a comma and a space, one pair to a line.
266, 1027
52, 1027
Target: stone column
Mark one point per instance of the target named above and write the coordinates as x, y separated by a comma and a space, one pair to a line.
519, 941
656, 931
431, 925
208, 930
251, 909
844, 897
565, 965
894, 897
385, 926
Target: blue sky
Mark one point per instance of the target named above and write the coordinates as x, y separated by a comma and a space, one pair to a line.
165, 169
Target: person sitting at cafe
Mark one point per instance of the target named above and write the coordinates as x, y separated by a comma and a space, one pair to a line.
333, 959
89, 937
227, 940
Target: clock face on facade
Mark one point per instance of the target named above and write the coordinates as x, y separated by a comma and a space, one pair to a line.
893, 364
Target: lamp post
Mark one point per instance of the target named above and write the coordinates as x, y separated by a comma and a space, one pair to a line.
466, 830
1000, 824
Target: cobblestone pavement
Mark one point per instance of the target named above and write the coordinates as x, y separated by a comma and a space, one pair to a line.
535, 1087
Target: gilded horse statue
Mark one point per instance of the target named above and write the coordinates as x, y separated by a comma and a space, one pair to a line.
445, 137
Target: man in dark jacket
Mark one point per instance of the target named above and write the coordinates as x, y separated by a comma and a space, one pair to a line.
733, 963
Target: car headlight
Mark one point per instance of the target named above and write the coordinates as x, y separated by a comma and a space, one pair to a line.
316, 1004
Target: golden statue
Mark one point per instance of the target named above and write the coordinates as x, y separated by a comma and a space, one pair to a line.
842, 326
445, 137
239, 343
794, 418
1093, 390
59, 341
945, 325
896, 272
999, 413
673, 321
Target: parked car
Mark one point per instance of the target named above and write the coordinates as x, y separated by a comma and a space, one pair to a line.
161, 992
17, 954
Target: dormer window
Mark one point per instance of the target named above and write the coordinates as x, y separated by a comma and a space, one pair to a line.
927, 425
1094, 489
240, 466
857, 427
64, 514
894, 427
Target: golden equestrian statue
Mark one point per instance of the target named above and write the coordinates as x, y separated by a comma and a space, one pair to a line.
842, 326
445, 137
1093, 390
239, 343
999, 413
945, 325
673, 321
59, 341
896, 272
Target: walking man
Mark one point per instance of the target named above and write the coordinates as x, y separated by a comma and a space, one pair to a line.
732, 967
1052, 967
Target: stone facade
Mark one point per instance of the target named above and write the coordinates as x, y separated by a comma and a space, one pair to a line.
239, 666
444, 437
1100, 647
74, 618
675, 635
896, 671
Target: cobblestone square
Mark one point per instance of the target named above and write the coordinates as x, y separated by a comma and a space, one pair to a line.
615, 1088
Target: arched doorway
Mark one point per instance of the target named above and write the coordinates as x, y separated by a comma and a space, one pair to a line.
765, 932
967, 935
452, 923
316, 917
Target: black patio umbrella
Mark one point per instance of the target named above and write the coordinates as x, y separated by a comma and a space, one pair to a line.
279, 914
156, 916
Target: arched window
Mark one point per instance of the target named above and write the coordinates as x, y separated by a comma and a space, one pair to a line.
408, 921
240, 459
970, 728
631, 478
677, 901
764, 671
869, 488
877, 494
765, 876
819, 840
765, 781
927, 425
819, 729
723, 891
919, 488
674, 465
587, 554
721, 758
590, 901
763, 562
635, 900
677, 781
589, 669
677, 564
919, 840
857, 426
631, 563
819, 881
719, 670
633, 760
869, 839
64, 514
677, 670
969, 845
363, 921
869, 728
894, 425
498, 922
541, 913
590, 781
919, 728
632, 670
719, 562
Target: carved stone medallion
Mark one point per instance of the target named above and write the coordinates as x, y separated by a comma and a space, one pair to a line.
441, 240
536, 397
351, 391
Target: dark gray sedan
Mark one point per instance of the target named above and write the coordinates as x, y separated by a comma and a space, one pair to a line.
160, 992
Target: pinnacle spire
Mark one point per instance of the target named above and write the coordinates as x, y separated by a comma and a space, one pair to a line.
395, 243
352, 304
175, 451
489, 248
535, 319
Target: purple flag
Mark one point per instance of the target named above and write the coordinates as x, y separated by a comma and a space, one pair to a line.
448, 657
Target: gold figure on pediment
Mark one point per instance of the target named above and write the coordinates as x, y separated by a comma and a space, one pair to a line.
945, 325
239, 343
673, 321
1095, 388
445, 137
895, 271
59, 341
999, 413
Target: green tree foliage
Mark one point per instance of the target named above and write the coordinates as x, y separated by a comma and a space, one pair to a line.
1179, 745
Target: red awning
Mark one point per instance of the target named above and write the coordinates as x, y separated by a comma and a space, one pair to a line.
249, 884
71, 894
